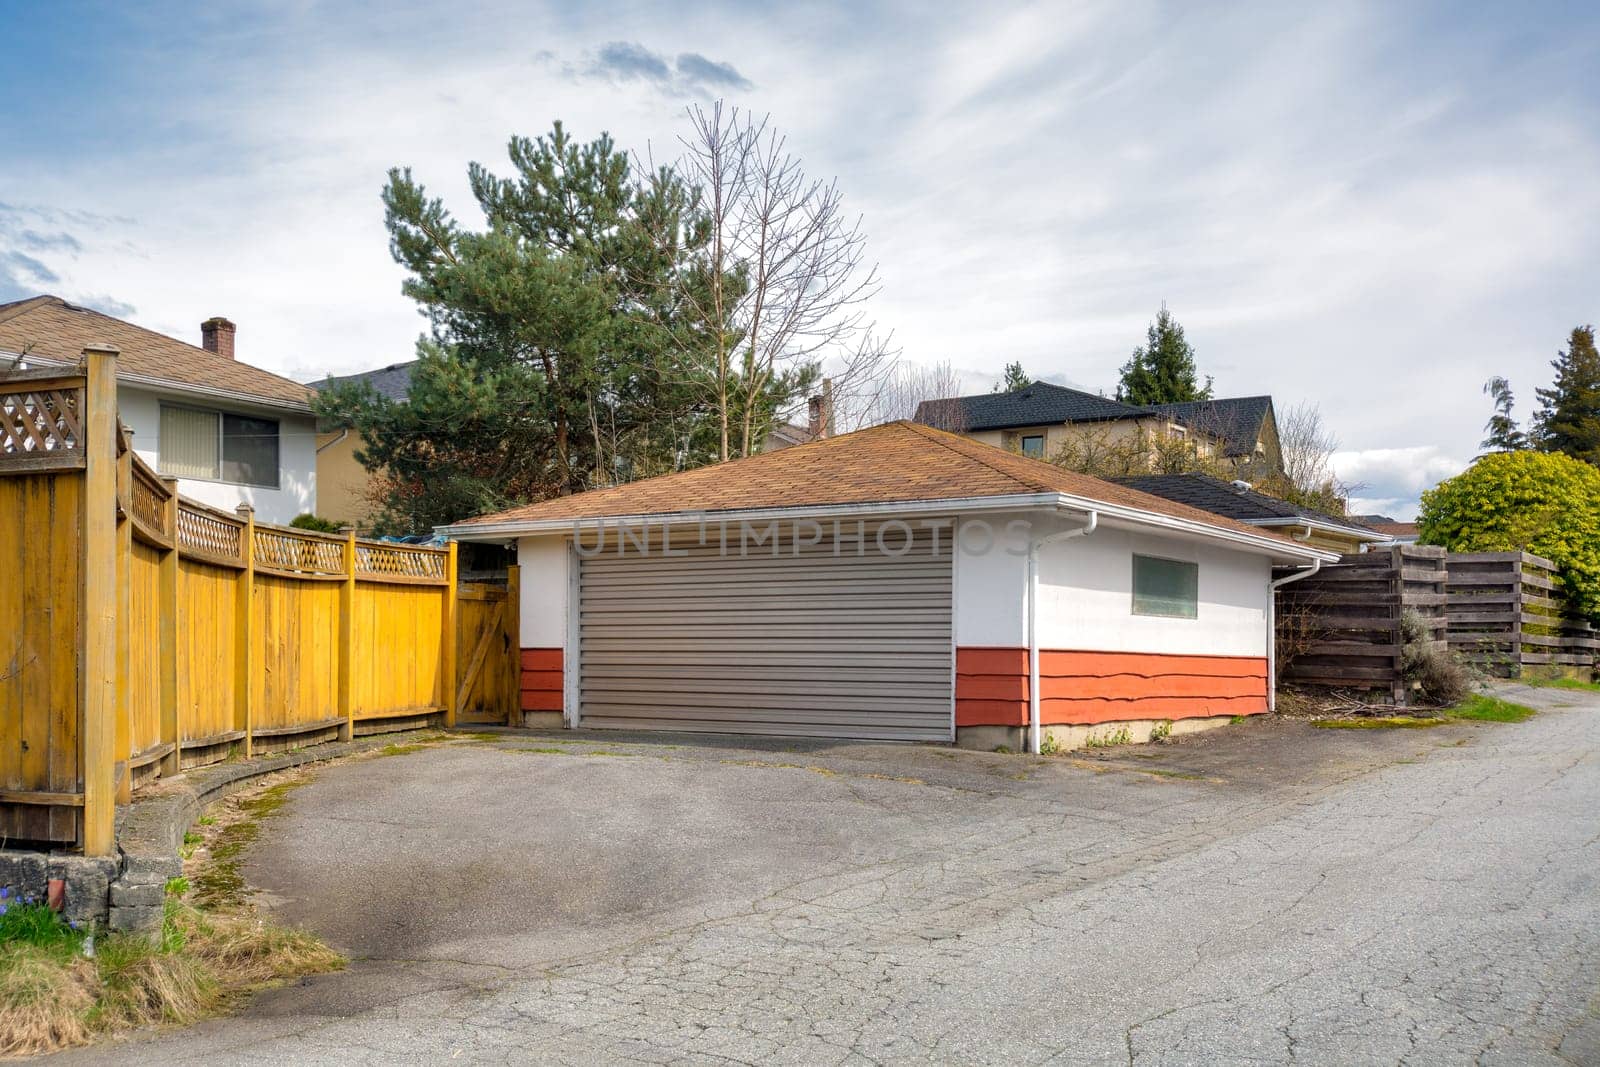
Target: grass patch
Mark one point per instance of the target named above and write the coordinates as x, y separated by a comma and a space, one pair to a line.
1378, 722
1564, 683
61, 986
1480, 707
402, 748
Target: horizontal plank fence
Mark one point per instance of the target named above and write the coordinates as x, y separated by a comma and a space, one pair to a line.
1341, 627
145, 633
1508, 618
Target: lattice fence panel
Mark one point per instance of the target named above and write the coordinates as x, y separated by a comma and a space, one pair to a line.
399, 561
149, 499
201, 531
39, 422
294, 552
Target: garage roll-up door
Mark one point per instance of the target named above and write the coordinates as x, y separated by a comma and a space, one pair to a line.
821, 643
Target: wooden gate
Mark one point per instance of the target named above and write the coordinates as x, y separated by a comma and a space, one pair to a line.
486, 640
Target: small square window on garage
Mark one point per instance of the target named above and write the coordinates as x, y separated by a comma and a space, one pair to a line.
1166, 587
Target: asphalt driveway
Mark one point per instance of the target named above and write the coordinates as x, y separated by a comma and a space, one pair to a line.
1265, 893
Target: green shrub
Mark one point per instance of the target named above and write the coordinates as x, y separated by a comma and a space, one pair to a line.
314, 523
1546, 503
1437, 674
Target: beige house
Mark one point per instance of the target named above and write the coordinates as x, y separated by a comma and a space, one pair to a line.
1042, 420
345, 490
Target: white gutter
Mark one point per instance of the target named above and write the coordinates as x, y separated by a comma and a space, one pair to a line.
1033, 620
1371, 536
1265, 543
1272, 627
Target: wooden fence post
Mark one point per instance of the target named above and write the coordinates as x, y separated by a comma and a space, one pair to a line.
347, 641
450, 625
513, 610
244, 647
171, 728
124, 513
98, 649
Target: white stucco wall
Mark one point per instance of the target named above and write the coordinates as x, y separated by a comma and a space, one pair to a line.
543, 563
1086, 593
1086, 597
140, 411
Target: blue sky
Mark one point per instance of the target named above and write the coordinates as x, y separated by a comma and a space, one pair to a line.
1372, 207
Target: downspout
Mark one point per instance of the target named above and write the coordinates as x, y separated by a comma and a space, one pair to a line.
1302, 537
1272, 626
1033, 620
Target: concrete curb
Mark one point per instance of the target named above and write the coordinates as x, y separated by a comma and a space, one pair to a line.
150, 830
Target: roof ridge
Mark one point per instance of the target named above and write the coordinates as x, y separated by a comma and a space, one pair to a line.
25, 305
949, 441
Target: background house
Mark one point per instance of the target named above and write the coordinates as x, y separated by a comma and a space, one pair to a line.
231, 433
1040, 419
1237, 500
345, 490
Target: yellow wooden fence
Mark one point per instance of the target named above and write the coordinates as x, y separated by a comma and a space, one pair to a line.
146, 633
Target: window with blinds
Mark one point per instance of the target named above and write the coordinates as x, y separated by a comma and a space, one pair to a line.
219, 446
191, 443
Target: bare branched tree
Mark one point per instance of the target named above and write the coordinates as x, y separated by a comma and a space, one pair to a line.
903, 391
1308, 447
786, 281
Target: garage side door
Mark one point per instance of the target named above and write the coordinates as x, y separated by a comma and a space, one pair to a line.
819, 644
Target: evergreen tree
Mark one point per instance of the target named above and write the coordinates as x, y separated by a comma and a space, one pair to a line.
1569, 415
1015, 378
1502, 430
556, 362
1162, 370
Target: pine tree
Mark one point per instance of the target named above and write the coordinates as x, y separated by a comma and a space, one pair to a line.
1502, 430
1162, 370
1015, 378
556, 362
1569, 415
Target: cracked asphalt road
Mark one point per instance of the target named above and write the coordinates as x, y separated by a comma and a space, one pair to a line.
1268, 893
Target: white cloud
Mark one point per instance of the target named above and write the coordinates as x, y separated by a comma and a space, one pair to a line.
1391, 479
1355, 206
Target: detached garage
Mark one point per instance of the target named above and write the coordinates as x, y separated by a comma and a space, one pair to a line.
898, 583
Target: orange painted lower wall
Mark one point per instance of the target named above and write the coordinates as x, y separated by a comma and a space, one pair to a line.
541, 679
1084, 688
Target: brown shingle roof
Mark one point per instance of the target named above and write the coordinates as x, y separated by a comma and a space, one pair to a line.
52, 329
898, 461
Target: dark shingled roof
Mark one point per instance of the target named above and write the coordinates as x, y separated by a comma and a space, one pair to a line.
1236, 420
1034, 405
1222, 498
393, 381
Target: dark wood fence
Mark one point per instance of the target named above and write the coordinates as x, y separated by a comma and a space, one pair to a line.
1341, 626
1508, 618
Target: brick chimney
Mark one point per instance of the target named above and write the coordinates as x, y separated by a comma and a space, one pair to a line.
820, 410
216, 335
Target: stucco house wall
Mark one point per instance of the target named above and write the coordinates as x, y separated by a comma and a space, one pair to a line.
1099, 662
